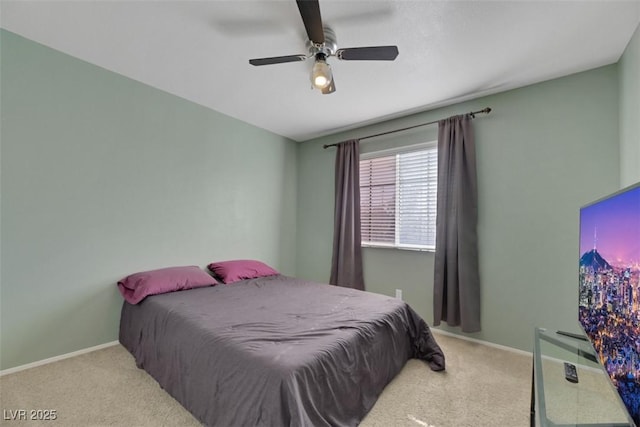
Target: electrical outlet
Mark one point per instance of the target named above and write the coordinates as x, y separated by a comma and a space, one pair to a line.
399, 293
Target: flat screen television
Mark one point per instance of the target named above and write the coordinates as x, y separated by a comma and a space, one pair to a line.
609, 289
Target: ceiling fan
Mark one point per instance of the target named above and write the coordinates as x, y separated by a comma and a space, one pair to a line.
322, 44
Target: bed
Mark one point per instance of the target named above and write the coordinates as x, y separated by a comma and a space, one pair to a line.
275, 350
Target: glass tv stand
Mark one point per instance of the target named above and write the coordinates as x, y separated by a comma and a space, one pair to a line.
591, 402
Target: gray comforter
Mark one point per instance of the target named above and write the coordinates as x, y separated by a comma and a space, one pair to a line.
275, 351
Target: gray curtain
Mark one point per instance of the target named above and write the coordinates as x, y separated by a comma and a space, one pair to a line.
346, 264
456, 288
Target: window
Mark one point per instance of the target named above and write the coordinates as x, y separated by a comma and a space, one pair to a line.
398, 190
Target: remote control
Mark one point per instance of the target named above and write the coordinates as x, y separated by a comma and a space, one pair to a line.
570, 372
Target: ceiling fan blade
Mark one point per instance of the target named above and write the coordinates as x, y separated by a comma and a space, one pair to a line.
310, 13
331, 88
374, 53
277, 60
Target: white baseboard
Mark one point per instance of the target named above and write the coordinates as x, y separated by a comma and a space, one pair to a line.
595, 369
487, 343
57, 358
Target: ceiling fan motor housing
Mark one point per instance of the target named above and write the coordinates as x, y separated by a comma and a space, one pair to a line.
328, 48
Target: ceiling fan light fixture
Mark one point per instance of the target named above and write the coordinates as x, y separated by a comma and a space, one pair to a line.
321, 74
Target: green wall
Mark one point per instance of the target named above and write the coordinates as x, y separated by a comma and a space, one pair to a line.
102, 176
544, 151
629, 68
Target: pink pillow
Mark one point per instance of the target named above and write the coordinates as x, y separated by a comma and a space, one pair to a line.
240, 269
138, 286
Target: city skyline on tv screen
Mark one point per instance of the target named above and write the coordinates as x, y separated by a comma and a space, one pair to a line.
609, 289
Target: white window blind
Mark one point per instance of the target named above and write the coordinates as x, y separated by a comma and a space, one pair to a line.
398, 193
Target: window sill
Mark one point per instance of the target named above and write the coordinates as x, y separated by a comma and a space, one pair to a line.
402, 248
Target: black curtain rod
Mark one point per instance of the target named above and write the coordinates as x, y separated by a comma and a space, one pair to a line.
472, 113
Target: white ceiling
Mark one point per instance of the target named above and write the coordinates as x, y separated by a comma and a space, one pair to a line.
449, 51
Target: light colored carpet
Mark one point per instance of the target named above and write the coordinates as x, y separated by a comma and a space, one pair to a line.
483, 386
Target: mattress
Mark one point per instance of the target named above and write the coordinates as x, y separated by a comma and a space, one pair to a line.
275, 351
